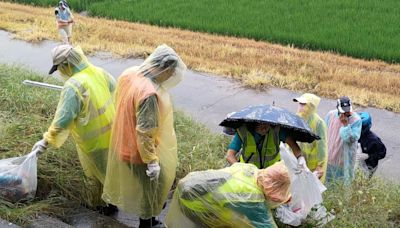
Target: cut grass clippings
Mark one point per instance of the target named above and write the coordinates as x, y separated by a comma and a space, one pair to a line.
25, 114
255, 64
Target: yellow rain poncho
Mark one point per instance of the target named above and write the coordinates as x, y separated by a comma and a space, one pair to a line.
85, 110
316, 153
143, 132
238, 196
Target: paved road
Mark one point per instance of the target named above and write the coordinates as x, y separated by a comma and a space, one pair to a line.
209, 98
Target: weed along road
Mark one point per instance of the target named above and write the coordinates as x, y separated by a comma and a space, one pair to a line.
207, 98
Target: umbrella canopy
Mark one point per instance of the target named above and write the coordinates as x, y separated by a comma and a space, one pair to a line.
295, 126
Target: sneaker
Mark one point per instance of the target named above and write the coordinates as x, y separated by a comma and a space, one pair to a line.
108, 210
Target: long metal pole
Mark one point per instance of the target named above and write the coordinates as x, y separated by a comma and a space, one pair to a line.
42, 84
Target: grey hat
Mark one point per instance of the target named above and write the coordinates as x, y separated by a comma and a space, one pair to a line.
344, 105
59, 54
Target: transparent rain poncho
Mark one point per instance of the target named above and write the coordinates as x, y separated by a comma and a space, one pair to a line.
143, 132
342, 146
85, 110
237, 196
316, 153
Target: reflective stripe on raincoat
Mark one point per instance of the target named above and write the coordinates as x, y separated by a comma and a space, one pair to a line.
86, 110
228, 197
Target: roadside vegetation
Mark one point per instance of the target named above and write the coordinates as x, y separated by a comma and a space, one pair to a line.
363, 29
25, 114
366, 203
256, 64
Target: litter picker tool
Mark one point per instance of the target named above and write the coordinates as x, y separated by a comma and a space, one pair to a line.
42, 84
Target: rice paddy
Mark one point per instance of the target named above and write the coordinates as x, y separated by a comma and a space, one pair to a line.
255, 64
363, 29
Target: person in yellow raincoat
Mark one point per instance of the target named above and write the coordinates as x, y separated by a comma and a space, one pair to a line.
143, 153
238, 196
85, 110
316, 153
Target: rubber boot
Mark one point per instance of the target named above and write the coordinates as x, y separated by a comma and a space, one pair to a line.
148, 223
155, 222
144, 223
108, 210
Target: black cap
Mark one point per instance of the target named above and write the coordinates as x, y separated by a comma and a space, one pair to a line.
53, 68
344, 104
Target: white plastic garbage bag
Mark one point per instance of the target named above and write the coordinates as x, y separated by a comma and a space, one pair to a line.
306, 190
18, 177
320, 216
287, 216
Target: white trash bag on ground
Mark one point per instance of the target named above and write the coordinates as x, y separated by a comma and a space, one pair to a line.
18, 177
306, 190
362, 166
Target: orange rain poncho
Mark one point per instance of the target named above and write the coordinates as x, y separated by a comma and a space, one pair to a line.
143, 132
275, 183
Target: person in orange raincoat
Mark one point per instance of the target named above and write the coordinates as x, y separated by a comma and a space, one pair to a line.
143, 154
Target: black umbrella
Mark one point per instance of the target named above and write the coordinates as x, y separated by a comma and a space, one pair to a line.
295, 126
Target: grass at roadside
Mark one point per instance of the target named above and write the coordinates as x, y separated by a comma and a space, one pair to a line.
26, 112
255, 64
359, 28
366, 203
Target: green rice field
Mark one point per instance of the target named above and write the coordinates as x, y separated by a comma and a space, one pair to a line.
360, 28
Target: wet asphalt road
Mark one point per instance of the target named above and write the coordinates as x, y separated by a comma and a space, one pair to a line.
209, 98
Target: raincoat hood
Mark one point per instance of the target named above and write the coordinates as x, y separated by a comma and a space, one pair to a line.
275, 183
143, 132
68, 60
164, 67
310, 102
366, 122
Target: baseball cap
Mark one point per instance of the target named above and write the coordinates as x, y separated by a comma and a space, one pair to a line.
308, 98
344, 105
300, 99
59, 54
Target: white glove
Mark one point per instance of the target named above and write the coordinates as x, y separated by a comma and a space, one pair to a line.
360, 156
153, 170
316, 173
40, 146
301, 164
